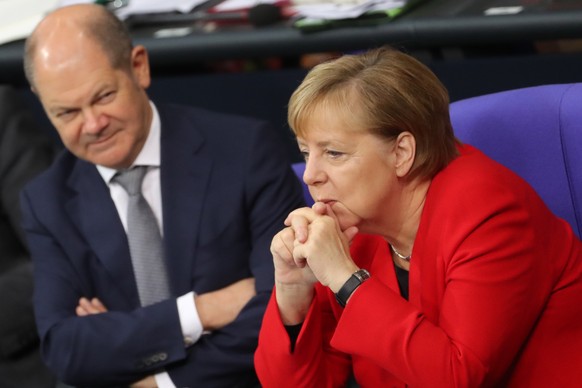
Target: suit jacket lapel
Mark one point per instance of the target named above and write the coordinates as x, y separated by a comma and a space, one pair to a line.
184, 178
95, 215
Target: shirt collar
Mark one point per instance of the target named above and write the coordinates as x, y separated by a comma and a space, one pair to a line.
149, 154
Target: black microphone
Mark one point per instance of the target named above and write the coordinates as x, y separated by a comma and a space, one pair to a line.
259, 15
264, 14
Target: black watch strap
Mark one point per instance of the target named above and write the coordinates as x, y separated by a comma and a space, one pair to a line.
350, 286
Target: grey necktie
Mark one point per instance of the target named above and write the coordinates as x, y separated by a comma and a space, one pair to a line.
145, 242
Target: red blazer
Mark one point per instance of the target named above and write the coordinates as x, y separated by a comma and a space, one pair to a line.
495, 298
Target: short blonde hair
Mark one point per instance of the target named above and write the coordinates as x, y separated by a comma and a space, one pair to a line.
386, 92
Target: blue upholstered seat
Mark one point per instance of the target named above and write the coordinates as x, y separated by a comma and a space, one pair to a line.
537, 133
298, 168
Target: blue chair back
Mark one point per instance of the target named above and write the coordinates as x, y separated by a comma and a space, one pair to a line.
537, 133
299, 168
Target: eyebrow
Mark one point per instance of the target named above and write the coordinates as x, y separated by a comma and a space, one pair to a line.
59, 108
321, 144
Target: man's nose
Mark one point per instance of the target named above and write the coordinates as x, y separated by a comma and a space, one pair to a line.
93, 121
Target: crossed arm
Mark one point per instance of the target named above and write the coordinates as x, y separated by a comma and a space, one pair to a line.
216, 309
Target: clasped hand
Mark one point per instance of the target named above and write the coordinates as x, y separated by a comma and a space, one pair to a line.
312, 248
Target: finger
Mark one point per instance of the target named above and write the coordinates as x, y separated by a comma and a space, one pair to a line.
299, 211
87, 306
306, 212
320, 208
299, 256
329, 211
299, 225
282, 244
98, 305
350, 233
287, 238
84, 303
81, 312
333, 215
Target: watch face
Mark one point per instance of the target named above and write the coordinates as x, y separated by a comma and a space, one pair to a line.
362, 274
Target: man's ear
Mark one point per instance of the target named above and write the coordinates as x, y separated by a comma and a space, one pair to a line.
405, 153
140, 65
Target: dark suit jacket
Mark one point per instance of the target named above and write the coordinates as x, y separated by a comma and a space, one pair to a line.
226, 189
24, 152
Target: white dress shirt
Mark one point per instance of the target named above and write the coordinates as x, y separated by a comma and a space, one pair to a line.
151, 189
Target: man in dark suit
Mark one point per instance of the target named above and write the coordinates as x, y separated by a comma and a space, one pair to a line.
25, 151
219, 187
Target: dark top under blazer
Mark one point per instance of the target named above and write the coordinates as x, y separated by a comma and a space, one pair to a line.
226, 189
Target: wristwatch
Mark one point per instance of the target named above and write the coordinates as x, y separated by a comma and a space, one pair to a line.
357, 278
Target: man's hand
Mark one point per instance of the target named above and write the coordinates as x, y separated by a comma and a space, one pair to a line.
95, 306
89, 307
221, 307
148, 382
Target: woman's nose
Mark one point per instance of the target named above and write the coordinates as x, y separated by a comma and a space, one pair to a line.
313, 173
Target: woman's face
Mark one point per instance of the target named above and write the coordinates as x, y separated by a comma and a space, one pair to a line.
348, 168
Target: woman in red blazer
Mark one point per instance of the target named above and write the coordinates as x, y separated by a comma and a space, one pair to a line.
423, 263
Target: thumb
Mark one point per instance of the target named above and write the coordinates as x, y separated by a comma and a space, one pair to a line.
350, 233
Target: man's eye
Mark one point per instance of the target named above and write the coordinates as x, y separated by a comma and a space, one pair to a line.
104, 98
65, 114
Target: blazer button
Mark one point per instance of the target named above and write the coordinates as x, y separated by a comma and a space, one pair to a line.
188, 341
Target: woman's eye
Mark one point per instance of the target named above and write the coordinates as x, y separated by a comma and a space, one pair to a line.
304, 154
334, 154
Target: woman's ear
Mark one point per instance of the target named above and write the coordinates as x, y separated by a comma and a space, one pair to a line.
405, 153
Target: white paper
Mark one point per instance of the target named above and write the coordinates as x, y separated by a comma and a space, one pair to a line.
503, 10
233, 5
343, 10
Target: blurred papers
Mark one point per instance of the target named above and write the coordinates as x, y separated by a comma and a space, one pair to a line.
135, 7
235, 5
318, 9
336, 10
